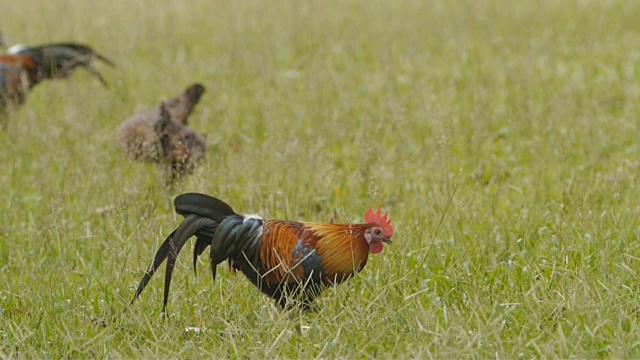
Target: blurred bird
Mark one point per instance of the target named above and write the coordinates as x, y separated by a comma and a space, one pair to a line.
160, 134
22, 68
286, 260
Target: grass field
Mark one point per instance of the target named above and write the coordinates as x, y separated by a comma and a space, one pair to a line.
500, 135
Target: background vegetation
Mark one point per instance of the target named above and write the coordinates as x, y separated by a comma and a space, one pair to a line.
524, 114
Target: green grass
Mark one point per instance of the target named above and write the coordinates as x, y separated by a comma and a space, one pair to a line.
523, 114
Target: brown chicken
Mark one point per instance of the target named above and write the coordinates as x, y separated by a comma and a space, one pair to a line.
286, 260
160, 134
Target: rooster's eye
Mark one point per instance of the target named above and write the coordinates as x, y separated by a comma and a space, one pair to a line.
377, 232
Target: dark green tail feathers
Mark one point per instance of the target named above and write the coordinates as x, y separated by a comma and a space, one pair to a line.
202, 205
202, 214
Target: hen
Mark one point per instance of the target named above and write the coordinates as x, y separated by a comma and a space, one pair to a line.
285, 259
160, 134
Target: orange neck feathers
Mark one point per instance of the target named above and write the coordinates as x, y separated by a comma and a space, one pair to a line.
342, 248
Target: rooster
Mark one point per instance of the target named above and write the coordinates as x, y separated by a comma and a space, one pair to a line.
286, 260
22, 68
160, 134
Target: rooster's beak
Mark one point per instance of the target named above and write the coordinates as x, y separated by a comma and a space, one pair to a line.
386, 240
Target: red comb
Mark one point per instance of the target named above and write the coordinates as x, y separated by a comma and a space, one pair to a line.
381, 220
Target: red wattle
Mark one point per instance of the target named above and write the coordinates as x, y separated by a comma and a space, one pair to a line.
376, 247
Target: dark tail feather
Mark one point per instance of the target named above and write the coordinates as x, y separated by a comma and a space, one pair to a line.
161, 255
57, 60
201, 245
70, 62
170, 249
202, 214
194, 92
83, 57
202, 205
205, 206
89, 54
104, 59
84, 51
187, 229
93, 71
